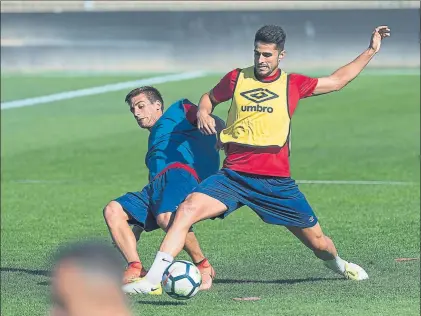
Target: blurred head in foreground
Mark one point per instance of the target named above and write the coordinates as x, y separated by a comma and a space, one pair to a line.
87, 281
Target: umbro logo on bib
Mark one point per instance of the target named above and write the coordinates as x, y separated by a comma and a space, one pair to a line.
256, 108
259, 95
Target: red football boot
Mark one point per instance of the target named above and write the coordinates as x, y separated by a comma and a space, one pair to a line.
207, 272
134, 270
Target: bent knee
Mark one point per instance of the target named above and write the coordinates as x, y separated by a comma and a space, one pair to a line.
190, 206
114, 212
190, 209
163, 220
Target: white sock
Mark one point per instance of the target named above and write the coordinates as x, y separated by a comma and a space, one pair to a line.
337, 264
161, 262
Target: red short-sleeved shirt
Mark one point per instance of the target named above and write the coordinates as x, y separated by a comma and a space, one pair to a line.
270, 161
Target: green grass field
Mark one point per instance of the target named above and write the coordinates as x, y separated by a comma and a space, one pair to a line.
62, 162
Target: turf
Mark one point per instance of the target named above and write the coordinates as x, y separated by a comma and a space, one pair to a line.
62, 162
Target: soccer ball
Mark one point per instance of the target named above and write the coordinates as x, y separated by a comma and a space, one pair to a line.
181, 280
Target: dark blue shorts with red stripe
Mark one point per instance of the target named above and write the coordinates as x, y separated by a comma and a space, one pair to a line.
275, 200
163, 194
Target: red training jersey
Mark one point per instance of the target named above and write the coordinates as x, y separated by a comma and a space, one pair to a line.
269, 161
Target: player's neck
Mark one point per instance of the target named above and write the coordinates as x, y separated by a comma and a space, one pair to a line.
273, 75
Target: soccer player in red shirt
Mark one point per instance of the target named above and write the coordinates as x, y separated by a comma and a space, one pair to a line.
256, 171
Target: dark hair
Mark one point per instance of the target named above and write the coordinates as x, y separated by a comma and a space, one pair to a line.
92, 257
151, 93
271, 34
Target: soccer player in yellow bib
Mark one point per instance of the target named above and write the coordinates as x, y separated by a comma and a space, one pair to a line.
256, 170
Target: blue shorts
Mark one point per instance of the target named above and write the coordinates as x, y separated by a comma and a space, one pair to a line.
161, 195
275, 200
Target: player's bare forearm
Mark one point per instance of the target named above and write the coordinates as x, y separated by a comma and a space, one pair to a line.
205, 104
344, 75
205, 122
347, 73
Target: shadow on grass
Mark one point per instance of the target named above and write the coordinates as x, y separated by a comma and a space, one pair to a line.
216, 281
291, 281
29, 271
161, 303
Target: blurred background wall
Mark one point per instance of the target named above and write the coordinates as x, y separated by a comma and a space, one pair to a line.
193, 35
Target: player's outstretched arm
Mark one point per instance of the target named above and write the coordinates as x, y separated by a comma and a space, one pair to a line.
344, 75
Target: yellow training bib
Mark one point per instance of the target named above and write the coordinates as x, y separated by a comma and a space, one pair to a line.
259, 114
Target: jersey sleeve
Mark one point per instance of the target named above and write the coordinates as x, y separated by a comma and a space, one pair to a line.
190, 110
305, 85
224, 90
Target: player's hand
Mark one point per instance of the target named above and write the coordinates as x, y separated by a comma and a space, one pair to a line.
378, 35
206, 123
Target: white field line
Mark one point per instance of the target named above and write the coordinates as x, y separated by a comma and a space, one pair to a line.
324, 182
29, 181
100, 89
